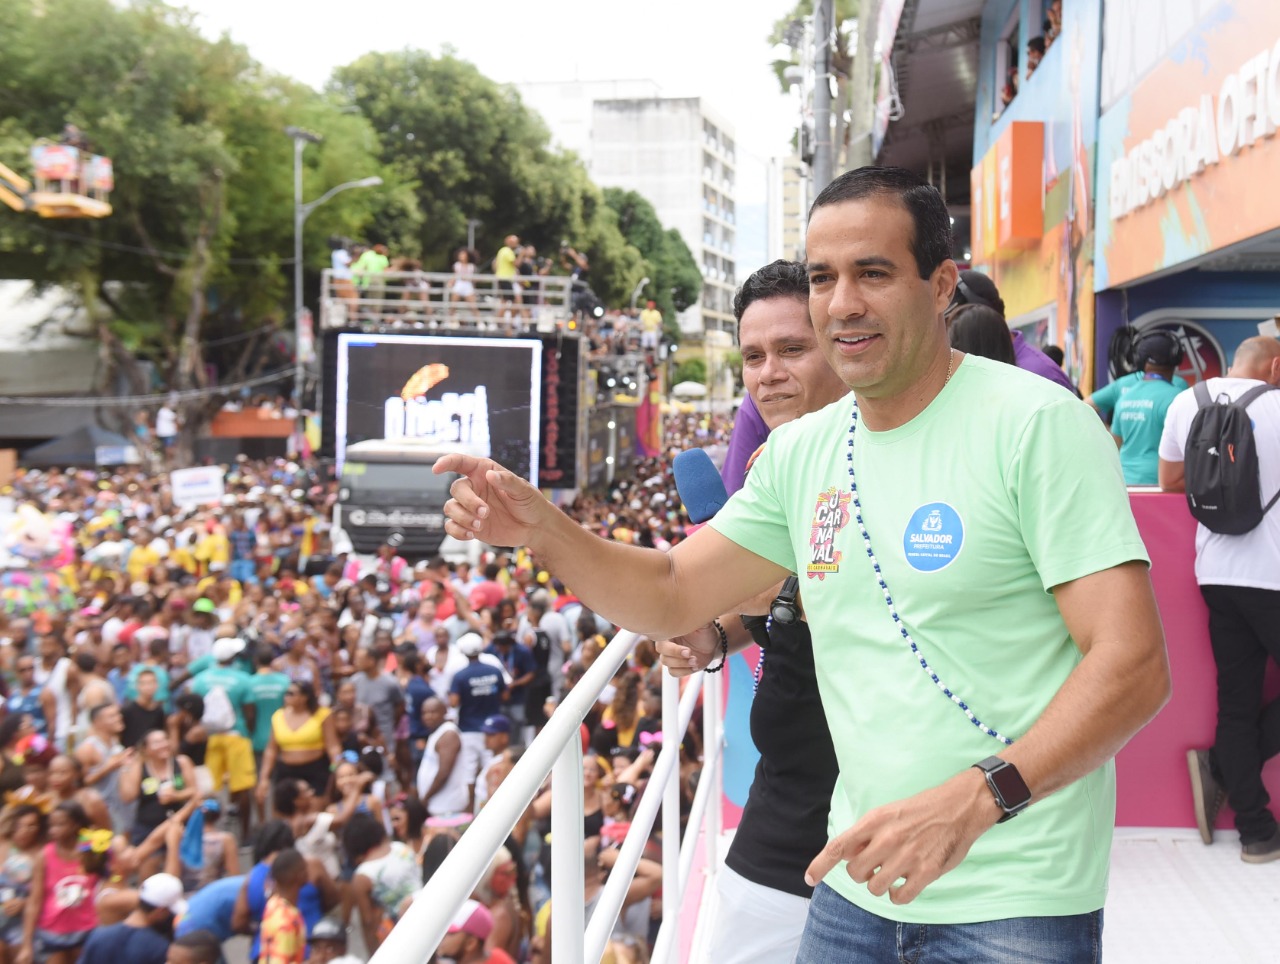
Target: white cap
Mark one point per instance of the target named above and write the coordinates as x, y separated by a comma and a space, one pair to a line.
470, 644
225, 650
163, 890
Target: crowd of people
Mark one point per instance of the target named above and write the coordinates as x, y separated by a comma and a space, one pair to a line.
374, 285
239, 724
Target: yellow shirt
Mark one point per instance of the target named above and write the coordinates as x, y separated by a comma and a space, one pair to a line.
504, 265
651, 319
141, 559
309, 736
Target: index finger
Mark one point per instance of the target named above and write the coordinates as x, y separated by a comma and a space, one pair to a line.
458, 462
844, 846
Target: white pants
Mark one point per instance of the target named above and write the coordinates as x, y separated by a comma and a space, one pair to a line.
473, 755
755, 924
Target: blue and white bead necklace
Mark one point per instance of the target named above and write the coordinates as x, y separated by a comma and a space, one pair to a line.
888, 597
755, 675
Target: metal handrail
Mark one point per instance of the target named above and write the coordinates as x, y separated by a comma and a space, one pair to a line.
423, 925
558, 751
427, 297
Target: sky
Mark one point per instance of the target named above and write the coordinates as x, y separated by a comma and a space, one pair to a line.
707, 48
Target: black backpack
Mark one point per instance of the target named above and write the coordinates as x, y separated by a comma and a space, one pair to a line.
1221, 464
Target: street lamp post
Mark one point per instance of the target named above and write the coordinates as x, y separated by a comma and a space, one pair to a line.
300, 214
635, 295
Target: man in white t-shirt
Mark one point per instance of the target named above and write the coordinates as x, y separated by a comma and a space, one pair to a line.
166, 428
1239, 577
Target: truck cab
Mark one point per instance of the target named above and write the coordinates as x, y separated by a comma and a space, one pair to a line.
388, 487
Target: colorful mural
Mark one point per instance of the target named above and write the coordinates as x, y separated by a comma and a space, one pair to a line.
1182, 151
1053, 275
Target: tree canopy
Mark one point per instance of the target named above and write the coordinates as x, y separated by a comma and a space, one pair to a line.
192, 272
198, 248
674, 278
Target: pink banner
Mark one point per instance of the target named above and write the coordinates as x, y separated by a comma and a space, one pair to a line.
1151, 772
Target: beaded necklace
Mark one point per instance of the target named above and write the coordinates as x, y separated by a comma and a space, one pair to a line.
755, 676
888, 597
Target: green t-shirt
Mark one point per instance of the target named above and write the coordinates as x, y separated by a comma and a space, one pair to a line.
206, 662
236, 685
1004, 487
1139, 422
267, 690
1107, 396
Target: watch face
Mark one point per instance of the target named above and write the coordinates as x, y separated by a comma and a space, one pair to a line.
1013, 789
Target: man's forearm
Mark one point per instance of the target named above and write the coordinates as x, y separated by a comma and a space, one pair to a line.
654, 593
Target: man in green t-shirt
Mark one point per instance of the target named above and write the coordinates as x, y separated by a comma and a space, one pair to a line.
1138, 419
984, 630
229, 753
267, 688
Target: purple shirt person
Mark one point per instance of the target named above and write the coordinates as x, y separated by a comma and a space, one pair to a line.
975, 288
1032, 359
749, 433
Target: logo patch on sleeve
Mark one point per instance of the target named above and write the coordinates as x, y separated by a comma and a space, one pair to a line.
933, 537
829, 516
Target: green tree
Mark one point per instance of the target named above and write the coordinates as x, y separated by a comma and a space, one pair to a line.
788, 30
193, 267
472, 149
690, 370
674, 278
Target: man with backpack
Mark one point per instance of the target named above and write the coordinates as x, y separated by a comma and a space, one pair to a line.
1221, 445
228, 718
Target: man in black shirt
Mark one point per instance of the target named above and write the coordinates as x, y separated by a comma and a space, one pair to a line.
762, 888
143, 714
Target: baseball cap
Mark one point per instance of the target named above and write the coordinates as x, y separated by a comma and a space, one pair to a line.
975, 288
498, 723
203, 605
225, 650
472, 918
327, 929
165, 890
470, 644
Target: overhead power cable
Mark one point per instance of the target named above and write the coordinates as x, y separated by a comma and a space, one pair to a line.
125, 401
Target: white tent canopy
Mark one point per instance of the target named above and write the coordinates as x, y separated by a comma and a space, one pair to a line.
689, 390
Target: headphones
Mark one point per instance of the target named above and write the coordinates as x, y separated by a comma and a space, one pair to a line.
967, 296
785, 609
1140, 357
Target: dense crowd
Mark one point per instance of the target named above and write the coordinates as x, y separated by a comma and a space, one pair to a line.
220, 721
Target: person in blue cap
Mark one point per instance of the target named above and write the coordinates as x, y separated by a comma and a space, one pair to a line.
497, 737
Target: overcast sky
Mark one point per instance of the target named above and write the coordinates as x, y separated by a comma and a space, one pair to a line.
708, 48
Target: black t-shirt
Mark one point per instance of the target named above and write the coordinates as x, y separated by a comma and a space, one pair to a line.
139, 721
784, 824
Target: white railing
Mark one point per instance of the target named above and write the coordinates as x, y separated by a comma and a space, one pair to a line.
428, 299
558, 751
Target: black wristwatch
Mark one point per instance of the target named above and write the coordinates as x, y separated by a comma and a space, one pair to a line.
1007, 786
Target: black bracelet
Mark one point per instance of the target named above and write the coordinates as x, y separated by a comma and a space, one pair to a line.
724, 647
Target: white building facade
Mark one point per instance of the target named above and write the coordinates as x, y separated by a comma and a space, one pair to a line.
788, 207
673, 151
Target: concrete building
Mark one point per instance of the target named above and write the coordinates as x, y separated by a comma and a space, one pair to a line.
788, 206
675, 152
566, 106
681, 157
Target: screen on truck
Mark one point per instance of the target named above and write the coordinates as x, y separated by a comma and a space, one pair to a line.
443, 389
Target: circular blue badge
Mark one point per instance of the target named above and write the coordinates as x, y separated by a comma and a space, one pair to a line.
933, 537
